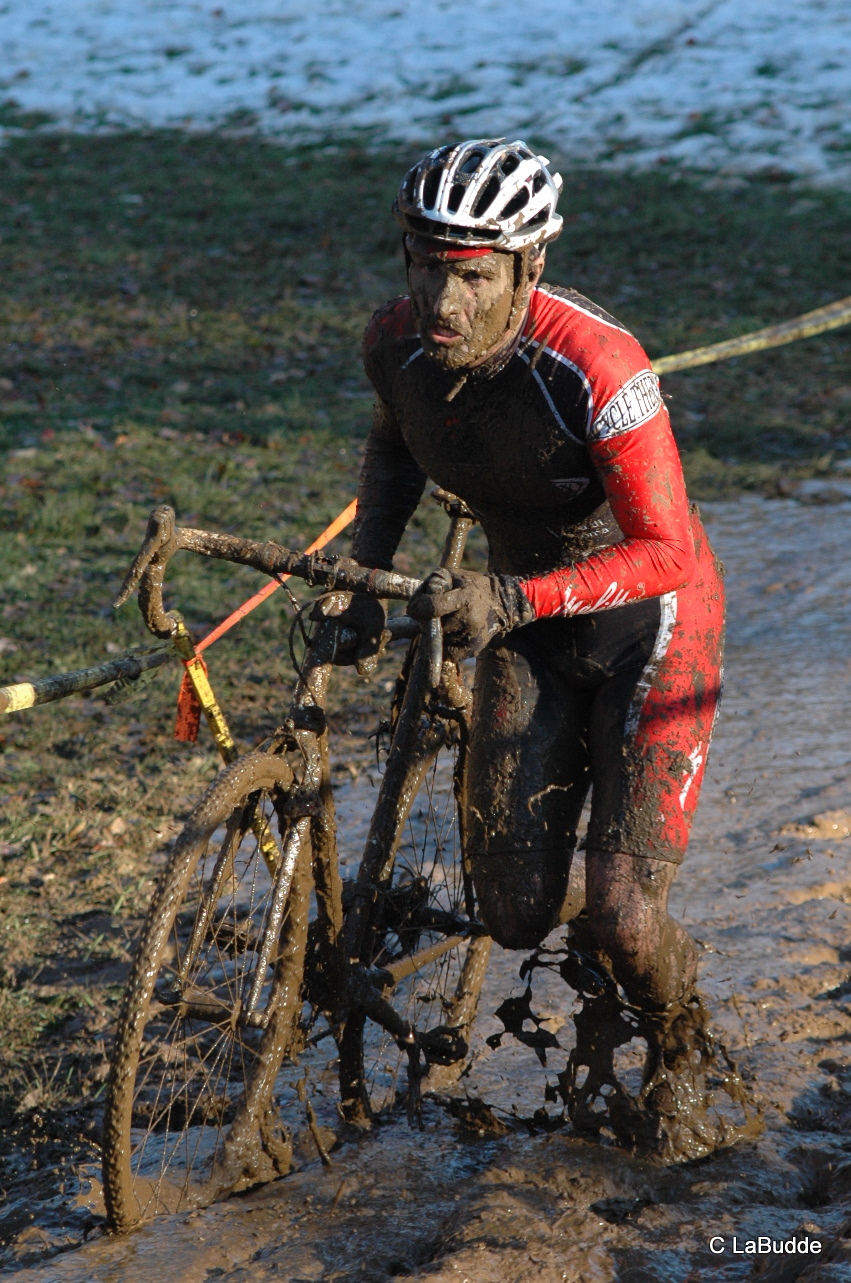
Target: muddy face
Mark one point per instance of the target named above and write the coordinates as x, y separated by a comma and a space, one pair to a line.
465, 309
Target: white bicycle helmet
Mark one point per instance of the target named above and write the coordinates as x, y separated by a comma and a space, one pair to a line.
484, 193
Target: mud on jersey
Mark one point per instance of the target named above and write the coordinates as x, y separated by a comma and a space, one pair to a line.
564, 453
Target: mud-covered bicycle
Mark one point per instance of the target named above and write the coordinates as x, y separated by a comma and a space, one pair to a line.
257, 956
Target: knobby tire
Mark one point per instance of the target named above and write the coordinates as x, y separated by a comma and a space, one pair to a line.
187, 1070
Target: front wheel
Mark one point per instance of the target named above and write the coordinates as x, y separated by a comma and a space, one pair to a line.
212, 1004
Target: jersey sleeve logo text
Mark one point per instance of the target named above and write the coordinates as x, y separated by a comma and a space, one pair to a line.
637, 401
571, 486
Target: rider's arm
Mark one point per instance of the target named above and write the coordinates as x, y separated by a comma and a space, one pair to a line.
641, 472
390, 487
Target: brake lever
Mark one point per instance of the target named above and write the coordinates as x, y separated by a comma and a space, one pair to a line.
434, 644
439, 581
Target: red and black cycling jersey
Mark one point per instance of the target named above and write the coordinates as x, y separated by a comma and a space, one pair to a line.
563, 451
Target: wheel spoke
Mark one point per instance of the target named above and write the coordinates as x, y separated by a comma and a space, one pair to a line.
427, 952
192, 1063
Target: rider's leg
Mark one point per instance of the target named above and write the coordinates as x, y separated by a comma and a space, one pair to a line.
527, 781
652, 956
649, 743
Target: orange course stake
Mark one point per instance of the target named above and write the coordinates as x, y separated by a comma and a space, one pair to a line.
196, 694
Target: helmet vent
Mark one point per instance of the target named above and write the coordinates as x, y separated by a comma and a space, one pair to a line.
430, 187
516, 203
471, 164
485, 192
538, 219
456, 195
488, 196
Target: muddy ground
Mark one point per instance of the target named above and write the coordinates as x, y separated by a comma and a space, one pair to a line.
766, 890
171, 333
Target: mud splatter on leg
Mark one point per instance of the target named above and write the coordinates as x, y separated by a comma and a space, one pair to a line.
655, 1083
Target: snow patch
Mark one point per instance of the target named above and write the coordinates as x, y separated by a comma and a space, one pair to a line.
731, 85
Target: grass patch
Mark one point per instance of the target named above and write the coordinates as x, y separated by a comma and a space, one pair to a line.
181, 324
221, 284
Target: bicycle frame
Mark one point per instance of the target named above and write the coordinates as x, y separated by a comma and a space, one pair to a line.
433, 700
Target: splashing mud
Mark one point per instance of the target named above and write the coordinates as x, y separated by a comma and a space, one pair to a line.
674, 1095
495, 1188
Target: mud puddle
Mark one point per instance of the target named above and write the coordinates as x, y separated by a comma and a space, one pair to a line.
766, 889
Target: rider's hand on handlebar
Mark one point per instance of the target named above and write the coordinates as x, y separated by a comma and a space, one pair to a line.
475, 608
366, 616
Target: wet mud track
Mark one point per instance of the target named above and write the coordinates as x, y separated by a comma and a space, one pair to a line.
766, 890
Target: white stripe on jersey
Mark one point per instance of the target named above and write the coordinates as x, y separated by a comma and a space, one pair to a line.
576, 307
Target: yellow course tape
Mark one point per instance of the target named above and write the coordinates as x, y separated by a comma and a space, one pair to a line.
14, 698
47, 689
201, 685
822, 319
221, 734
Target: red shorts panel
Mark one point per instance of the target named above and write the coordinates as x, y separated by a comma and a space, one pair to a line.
670, 719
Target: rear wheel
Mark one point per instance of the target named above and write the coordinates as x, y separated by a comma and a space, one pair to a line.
212, 1004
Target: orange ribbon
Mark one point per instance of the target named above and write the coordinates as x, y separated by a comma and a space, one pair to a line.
188, 706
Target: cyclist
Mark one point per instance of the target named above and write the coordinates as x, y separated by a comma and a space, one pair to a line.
598, 629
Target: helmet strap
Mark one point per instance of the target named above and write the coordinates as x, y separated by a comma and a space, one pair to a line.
408, 261
522, 259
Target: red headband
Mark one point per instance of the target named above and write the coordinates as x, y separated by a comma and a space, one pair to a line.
469, 252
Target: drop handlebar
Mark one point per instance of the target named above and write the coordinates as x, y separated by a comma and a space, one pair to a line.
164, 538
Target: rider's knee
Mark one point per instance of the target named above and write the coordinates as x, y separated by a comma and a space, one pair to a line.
519, 905
512, 928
